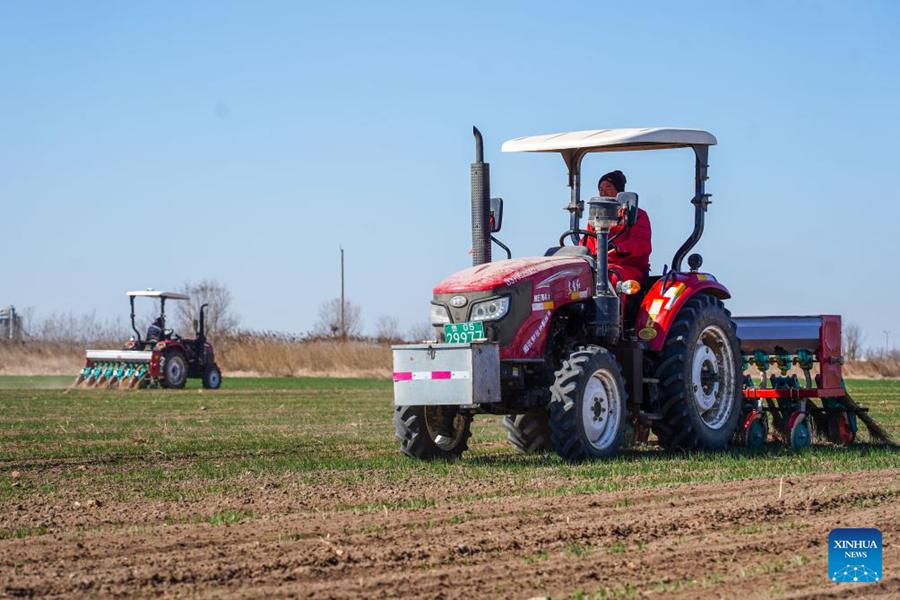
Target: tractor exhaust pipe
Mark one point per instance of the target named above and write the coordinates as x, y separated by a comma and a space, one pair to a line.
200, 342
201, 330
481, 204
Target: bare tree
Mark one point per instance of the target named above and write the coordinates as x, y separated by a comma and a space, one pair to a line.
220, 319
329, 323
28, 320
853, 338
72, 327
387, 328
420, 332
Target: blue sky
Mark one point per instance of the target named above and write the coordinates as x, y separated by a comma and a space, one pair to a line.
145, 144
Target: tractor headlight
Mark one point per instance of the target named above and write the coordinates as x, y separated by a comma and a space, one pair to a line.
439, 314
490, 310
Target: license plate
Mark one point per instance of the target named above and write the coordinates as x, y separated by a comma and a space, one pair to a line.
463, 333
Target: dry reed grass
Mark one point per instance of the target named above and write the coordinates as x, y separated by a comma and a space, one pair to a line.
40, 358
257, 355
873, 368
243, 355
284, 356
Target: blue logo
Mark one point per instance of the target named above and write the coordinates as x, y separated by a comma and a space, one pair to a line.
854, 555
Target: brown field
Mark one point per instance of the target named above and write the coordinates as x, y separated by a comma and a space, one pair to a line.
295, 487
724, 540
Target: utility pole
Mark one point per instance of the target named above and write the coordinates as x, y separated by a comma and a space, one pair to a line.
887, 335
343, 326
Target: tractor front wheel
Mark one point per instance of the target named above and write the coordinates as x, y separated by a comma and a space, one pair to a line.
529, 432
588, 406
432, 432
699, 378
212, 377
174, 370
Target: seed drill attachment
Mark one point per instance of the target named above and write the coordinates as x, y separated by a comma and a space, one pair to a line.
791, 344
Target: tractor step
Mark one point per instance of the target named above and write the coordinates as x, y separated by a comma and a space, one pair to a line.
650, 416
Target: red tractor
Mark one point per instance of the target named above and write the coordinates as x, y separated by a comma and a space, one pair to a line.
160, 358
581, 367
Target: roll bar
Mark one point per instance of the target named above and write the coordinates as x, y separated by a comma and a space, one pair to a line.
700, 200
134, 328
162, 307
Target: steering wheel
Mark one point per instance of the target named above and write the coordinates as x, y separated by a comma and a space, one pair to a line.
582, 232
611, 246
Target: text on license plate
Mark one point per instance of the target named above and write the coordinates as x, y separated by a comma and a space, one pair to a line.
463, 333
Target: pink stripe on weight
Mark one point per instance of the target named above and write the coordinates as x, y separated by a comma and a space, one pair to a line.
403, 376
440, 374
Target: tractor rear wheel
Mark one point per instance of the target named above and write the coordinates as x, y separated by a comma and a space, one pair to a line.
212, 377
588, 406
699, 378
432, 432
174, 370
529, 432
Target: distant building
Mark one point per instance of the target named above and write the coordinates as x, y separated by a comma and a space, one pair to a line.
10, 324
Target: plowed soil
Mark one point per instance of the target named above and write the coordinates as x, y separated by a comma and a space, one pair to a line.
300, 491
682, 541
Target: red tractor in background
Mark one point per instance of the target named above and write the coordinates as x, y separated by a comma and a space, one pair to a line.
581, 367
160, 358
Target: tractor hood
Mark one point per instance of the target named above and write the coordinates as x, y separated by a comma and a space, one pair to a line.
506, 273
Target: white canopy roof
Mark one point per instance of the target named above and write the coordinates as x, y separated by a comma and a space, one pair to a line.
157, 294
612, 140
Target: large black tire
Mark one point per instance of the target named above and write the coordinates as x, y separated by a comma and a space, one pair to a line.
212, 377
419, 430
529, 432
588, 406
700, 381
174, 370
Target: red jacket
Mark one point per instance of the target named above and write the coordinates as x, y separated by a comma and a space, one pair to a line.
633, 246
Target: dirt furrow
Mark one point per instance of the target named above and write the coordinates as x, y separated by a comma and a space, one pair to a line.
742, 535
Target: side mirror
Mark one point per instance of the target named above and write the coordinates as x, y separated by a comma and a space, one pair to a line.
629, 202
496, 214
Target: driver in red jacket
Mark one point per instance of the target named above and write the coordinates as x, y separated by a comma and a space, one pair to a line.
629, 253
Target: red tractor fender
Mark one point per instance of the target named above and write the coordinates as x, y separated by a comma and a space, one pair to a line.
158, 350
155, 361
664, 299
